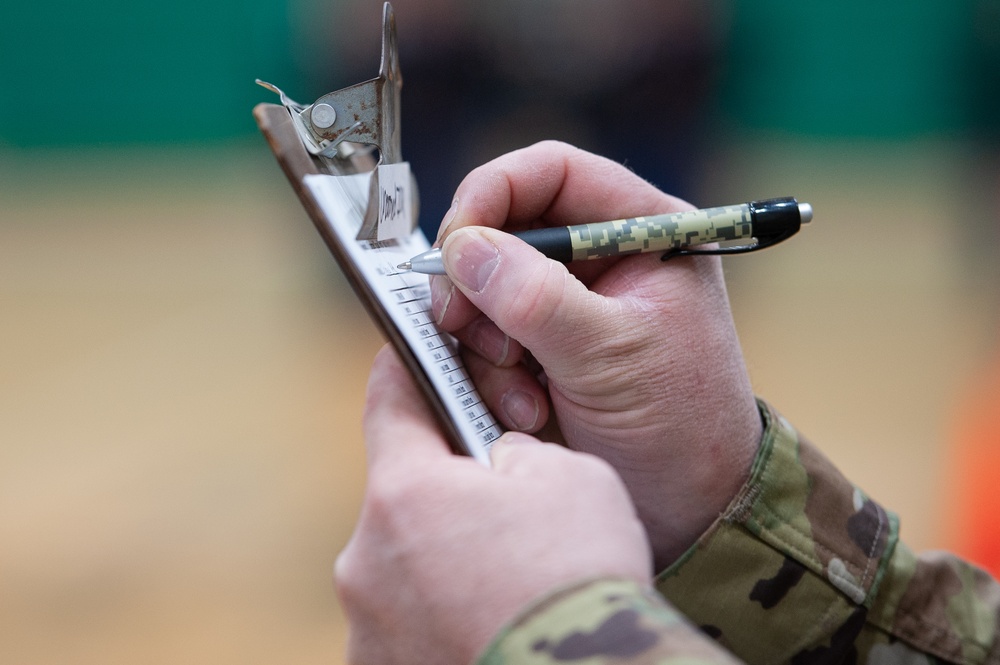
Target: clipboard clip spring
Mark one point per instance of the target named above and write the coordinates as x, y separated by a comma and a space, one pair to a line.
367, 113
363, 116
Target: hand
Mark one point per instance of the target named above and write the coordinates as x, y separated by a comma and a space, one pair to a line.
446, 550
640, 360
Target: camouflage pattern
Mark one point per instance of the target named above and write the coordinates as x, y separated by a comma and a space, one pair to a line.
802, 568
660, 232
604, 621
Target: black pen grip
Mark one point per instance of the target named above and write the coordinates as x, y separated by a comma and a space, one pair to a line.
553, 242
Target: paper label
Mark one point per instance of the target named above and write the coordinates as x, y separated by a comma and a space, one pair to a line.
395, 201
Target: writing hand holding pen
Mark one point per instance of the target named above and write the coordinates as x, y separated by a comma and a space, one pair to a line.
639, 359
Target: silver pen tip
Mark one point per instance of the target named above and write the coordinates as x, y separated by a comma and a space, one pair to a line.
404, 266
805, 213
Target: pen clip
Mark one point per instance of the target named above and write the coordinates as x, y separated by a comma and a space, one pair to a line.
755, 245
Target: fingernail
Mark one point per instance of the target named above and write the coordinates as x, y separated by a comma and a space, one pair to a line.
448, 217
521, 409
491, 342
441, 292
471, 259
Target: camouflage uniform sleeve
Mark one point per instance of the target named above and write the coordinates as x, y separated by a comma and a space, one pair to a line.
603, 622
804, 568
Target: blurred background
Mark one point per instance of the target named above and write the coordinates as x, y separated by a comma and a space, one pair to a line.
182, 366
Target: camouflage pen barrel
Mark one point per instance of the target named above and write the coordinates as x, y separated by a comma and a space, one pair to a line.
762, 222
661, 232
642, 234
771, 218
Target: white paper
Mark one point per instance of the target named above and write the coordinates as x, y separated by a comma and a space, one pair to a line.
406, 297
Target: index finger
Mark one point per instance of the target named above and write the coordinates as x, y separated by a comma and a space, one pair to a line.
553, 183
398, 424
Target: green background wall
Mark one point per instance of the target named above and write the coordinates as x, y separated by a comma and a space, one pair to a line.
116, 71
76, 72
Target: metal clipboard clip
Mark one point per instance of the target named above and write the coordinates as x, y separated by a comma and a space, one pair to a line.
339, 124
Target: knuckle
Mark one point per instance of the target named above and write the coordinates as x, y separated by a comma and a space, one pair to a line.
347, 580
395, 500
385, 496
541, 297
555, 146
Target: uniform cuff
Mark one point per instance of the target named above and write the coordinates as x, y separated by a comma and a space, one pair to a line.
799, 554
603, 620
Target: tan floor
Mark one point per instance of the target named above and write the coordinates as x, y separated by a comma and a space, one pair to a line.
182, 371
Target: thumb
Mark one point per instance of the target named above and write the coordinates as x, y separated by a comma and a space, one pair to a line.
531, 298
508, 452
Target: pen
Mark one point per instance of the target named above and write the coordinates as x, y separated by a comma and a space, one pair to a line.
762, 223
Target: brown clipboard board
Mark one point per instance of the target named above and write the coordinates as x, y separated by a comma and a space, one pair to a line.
276, 124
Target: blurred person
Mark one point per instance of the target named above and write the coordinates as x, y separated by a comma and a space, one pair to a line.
682, 519
481, 79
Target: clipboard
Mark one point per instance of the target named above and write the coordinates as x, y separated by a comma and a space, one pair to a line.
398, 303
